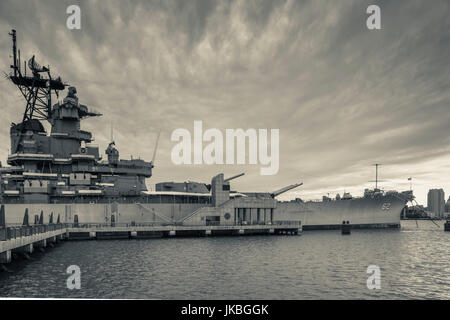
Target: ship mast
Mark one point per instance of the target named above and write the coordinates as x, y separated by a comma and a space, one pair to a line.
376, 175
36, 89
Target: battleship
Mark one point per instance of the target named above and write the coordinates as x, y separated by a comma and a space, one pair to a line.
62, 172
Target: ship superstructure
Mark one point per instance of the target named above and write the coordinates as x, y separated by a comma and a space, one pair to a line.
63, 165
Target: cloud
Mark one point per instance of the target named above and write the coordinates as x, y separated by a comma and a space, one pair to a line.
343, 97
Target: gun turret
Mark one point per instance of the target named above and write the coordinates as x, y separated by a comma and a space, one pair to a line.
285, 189
234, 177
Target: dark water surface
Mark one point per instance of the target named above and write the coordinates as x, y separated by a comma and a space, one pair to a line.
414, 262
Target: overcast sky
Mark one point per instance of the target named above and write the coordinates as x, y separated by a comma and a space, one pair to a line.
343, 97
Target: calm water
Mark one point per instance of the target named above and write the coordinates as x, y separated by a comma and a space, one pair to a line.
414, 262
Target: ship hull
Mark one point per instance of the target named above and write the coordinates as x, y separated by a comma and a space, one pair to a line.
378, 212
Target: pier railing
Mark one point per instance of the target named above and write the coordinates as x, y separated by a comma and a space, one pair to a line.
15, 232
179, 224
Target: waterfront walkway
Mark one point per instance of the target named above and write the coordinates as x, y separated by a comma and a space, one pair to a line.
24, 239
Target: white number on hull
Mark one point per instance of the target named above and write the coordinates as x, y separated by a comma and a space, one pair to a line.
386, 206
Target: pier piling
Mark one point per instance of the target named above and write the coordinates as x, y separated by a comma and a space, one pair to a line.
41, 244
5, 257
28, 248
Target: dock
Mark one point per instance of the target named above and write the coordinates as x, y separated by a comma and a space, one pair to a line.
129, 231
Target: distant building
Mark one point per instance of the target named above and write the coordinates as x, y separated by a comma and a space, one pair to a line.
436, 202
447, 206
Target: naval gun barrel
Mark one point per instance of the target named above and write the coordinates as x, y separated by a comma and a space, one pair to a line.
285, 189
234, 177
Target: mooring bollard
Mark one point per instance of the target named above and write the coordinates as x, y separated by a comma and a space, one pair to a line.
447, 225
345, 228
